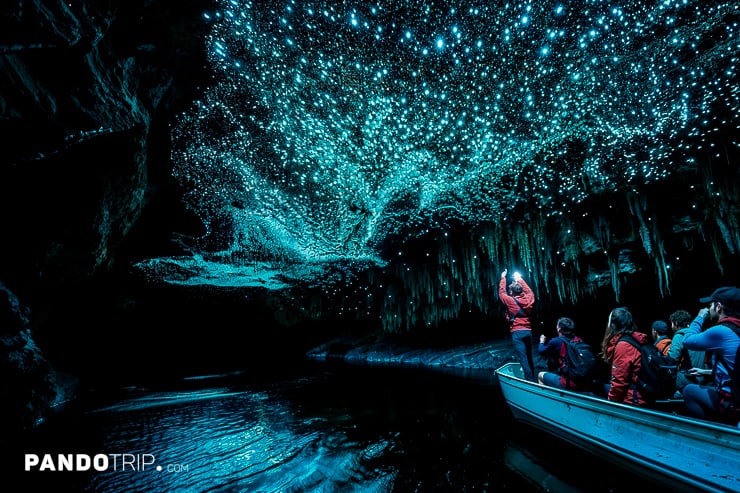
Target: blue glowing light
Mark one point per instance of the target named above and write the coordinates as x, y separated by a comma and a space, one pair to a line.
330, 131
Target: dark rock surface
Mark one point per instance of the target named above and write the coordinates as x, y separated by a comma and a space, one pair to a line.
86, 93
382, 349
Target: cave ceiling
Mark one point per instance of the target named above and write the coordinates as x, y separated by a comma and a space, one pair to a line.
342, 136
398, 155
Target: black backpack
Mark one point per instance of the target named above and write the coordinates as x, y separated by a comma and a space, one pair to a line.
519, 313
735, 373
735, 379
579, 360
657, 377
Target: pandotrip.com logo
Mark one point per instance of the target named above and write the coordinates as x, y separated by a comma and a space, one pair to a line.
97, 462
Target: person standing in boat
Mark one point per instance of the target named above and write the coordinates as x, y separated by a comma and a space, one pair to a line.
716, 330
519, 299
555, 353
623, 357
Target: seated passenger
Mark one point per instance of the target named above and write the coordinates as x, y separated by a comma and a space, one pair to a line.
555, 352
715, 329
680, 321
624, 359
661, 340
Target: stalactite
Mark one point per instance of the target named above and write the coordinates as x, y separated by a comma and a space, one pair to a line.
717, 249
636, 208
614, 270
543, 248
727, 236
660, 262
722, 195
602, 232
651, 240
559, 255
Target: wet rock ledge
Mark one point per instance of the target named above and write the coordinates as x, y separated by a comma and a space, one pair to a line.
383, 349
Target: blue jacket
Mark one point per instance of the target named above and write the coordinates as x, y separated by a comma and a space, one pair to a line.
721, 341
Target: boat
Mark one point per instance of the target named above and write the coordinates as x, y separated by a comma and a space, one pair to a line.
683, 453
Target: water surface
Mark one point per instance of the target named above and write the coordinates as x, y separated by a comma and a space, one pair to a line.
325, 427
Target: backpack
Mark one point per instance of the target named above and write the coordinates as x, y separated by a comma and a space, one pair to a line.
664, 345
657, 377
520, 313
735, 373
579, 359
735, 379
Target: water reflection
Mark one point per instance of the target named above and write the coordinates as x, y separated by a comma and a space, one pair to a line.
247, 440
325, 428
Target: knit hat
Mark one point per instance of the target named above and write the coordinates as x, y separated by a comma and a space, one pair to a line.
660, 327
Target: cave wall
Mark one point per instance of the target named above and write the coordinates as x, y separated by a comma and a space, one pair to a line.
87, 90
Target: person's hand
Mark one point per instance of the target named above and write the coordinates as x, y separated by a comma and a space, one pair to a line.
704, 312
543, 339
699, 371
517, 277
503, 274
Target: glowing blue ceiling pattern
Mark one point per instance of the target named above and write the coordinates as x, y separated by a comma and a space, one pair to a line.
335, 128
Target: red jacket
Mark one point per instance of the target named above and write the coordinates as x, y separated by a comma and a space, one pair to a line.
626, 362
526, 300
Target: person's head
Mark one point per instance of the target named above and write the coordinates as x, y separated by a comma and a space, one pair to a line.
723, 302
659, 328
619, 322
680, 319
515, 288
566, 326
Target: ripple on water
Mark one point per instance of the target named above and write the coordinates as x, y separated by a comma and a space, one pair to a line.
223, 441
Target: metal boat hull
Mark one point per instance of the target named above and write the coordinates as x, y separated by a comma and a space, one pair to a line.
688, 454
